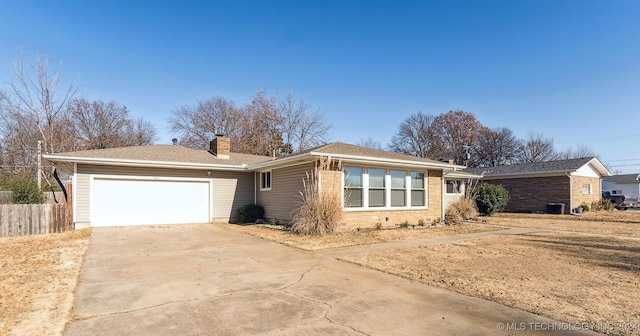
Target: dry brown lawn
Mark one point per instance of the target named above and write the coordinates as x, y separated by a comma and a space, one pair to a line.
38, 277
353, 238
623, 223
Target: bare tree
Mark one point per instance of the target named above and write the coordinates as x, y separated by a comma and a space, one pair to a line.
371, 143
414, 136
581, 151
453, 134
495, 147
535, 148
197, 125
33, 111
266, 126
301, 129
105, 125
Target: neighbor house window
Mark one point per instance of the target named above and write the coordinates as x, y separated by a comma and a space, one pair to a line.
265, 180
377, 187
586, 189
453, 187
417, 189
353, 188
398, 188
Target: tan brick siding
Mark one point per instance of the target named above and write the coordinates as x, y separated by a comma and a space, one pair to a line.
577, 196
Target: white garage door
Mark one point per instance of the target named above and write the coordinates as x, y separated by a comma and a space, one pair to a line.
147, 202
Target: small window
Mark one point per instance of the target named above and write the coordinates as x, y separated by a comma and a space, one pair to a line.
265, 180
586, 189
453, 187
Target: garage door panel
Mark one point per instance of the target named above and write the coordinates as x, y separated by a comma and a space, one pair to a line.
146, 202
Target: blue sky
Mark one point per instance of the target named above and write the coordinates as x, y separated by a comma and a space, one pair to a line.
567, 69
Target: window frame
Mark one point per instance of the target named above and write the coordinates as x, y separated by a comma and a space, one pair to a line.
365, 189
423, 189
589, 189
266, 176
346, 188
458, 189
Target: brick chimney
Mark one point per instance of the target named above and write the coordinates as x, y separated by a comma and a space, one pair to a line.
220, 146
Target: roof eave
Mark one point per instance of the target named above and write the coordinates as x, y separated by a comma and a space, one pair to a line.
396, 162
143, 163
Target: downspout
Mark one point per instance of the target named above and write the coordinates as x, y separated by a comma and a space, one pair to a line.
570, 192
442, 190
255, 187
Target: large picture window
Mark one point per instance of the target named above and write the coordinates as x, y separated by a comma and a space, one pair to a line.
417, 189
377, 187
353, 187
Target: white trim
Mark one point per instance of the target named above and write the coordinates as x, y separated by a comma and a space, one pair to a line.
270, 180
93, 177
390, 162
144, 163
387, 182
74, 193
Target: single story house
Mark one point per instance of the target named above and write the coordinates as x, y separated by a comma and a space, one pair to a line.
532, 186
171, 184
625, 184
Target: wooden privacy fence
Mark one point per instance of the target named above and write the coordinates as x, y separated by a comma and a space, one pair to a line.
31, 219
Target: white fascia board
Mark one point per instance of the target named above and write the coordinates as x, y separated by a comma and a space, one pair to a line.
286, 161
141, 163
524, 175
393, 162
462, 175
600, 167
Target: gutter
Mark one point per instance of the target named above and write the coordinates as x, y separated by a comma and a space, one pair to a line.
140, 163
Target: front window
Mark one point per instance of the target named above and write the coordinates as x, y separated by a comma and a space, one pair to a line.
417, 189
353, 187
377, 187
398, 188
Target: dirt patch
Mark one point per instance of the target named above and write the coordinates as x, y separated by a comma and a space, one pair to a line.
38, 277
571, 278
619, 223
353, 238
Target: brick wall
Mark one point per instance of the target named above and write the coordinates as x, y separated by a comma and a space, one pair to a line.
533, 193
577, 196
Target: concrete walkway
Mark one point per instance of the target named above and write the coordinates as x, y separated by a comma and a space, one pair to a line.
206, 280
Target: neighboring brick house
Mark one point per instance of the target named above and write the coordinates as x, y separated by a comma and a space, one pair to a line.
625, 184
532, 186
164, 184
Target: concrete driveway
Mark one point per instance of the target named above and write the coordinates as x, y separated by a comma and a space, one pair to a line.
205, 280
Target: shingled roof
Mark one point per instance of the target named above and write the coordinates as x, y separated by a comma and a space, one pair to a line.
624, 178
340, 148
163, 153
557, 166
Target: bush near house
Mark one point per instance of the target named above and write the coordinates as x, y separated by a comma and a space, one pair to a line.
318, 213
249, 213
460, 210
490, 198
24, 187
